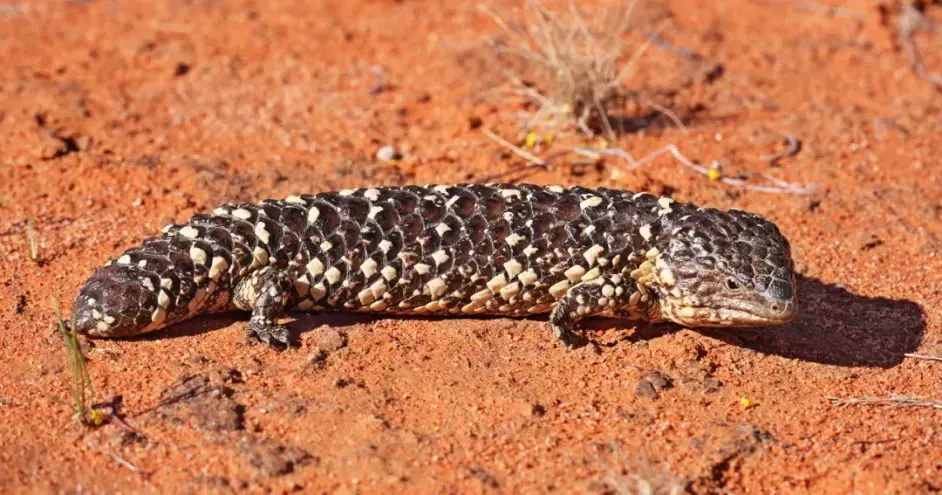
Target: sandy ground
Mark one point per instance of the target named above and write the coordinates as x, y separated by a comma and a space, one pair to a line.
117, 117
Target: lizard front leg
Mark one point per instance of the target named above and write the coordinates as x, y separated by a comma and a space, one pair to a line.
265, 293
606, 294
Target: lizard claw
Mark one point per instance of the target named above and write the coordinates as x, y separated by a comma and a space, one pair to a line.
569, 339
276, 336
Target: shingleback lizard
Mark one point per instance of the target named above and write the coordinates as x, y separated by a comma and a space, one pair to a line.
501, 249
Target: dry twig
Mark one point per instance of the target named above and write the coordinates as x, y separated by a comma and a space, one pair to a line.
923, 356
120, 460
894, 401
530, 157
667, 45
819, 8
533, 160
911, 21
794, 147
671, 115
774, 185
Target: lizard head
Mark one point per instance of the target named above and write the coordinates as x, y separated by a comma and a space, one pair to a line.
715, 268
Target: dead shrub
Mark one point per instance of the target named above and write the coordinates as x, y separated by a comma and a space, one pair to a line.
582, 65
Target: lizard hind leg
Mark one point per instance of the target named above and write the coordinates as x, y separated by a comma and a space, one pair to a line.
265, 293
604, 294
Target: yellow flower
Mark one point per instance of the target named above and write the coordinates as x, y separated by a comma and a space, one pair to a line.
747, 403
96, 417
714, 174
531, 140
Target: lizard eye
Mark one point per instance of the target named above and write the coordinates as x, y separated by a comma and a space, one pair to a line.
731, 284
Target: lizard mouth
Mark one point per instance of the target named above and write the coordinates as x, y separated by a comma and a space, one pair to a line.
738, 315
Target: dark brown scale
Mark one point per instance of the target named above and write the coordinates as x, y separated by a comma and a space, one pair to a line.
429, 242
464, 206
292, 218
567, 208
277, 250
404, 200
183, 287
328, 217
432, 210
272, 208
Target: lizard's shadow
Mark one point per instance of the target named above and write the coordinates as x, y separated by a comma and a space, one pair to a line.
299, 322
834, 326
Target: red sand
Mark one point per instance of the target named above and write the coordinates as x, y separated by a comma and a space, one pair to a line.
117, 117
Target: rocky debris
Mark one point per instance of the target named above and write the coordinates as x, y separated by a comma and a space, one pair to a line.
204, 401
651, 383
645, 389
329, 340
271, 458
659, 380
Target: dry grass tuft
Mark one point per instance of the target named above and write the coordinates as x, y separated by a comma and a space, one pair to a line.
629, 474
583, 65
654, 483
31, 241
80, 385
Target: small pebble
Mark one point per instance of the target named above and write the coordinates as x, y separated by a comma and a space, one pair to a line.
315, 360
387, 153
659, 380
329, 340
712, 385
645, 389
317, 357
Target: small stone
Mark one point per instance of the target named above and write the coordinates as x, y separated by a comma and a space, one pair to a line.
274, 459
315, 360
659, 380
204, 401
645, 389
712, 385
50, 147
86, 346
866, 241
82, 142
317, 357
387, 153
329, 340
882, 126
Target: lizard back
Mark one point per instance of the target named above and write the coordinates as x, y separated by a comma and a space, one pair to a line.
510, 249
